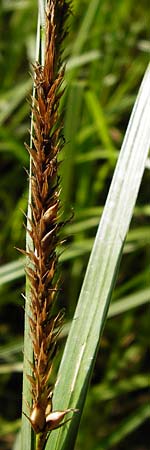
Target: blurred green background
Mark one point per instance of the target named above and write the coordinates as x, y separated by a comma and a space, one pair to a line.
107, 50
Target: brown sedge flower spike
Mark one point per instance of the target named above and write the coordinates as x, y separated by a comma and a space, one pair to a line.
45, 224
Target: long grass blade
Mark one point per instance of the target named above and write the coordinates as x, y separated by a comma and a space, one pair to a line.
90, 315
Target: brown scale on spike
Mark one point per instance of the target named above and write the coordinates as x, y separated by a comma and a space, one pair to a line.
45, 224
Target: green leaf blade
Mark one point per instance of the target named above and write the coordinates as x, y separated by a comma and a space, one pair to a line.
83, 341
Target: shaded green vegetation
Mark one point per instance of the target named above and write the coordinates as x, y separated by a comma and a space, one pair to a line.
108, 51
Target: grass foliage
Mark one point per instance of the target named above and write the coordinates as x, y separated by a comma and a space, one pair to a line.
107, 52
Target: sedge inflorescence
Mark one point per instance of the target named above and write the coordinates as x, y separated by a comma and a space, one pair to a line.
45, 224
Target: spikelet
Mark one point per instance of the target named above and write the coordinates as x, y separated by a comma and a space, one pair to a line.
45, 224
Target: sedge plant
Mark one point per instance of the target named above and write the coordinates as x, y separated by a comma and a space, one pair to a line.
42, 412
44, 224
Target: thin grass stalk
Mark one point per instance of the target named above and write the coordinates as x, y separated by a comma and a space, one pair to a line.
27, 435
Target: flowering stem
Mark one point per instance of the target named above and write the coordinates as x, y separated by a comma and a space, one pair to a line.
44, 225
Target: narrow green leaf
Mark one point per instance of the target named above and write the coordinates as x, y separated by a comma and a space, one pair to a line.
108, 391
12, 98
9, 368
75, 97
80, 60
85, 27
136, 238
120, 306
127, 426
12, 271
8, 350
90, 315
129, 302
97, 113
17, 444
96, 154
